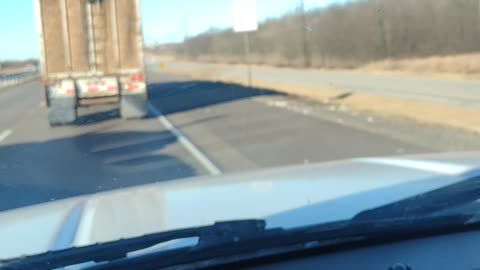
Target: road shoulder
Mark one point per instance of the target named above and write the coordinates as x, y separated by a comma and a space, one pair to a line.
431, 113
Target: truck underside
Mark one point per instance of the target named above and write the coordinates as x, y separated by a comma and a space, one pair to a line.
65, 96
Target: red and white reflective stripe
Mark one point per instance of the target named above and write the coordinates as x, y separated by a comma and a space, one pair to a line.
70, 91
98, 86
133, 86
92, 89
136, 77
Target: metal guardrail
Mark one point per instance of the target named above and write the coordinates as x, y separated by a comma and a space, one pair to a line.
14, 79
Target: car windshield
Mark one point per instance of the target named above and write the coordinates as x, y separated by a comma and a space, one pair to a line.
123, 118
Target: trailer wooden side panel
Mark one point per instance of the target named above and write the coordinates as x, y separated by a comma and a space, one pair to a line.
81, 37
52, 36
78, 35
130, 36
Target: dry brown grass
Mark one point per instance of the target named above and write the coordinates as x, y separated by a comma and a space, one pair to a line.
423, 112
463, 66
159, 57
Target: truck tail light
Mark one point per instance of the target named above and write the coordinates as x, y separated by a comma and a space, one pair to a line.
92, 89
137, 78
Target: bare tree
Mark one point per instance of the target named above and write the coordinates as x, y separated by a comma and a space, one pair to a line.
348, 35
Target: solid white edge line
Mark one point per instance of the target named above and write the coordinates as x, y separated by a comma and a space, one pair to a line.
194, 151
5, 134
430, 166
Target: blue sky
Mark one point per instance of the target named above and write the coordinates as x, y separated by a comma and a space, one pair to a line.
163, 20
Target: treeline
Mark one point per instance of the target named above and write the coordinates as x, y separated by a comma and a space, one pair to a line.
17, 64
348, 35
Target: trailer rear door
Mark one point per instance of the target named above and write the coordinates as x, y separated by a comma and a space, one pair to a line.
90, 37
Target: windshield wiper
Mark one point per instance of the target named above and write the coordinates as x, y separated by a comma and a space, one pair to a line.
236, 238
448, 197
216, 234
321, 238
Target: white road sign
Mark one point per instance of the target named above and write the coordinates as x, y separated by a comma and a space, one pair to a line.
244, 14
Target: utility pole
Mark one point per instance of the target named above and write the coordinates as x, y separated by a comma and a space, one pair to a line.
382, 29
246, 40
304, 29
478, 19
185, 38
244, 15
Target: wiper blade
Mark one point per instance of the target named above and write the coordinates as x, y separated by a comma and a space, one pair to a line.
216, 234
428, 203
336, 235
230, 238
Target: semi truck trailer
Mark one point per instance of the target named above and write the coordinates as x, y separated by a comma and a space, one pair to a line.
91, 53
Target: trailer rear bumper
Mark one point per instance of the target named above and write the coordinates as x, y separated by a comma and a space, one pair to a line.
65, 95
97, 87
133, 105
133, 102
61, 101
62, 110
98, 100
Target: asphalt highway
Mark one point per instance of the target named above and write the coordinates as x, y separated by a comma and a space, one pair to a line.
194, 128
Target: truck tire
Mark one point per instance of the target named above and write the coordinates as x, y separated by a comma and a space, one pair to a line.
62, 111
133, 105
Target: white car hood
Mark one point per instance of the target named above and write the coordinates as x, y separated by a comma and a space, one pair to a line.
286, 197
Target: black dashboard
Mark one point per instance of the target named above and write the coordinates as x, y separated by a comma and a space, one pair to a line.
454, 251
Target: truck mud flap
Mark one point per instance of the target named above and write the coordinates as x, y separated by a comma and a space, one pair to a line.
133, 105
62, 111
